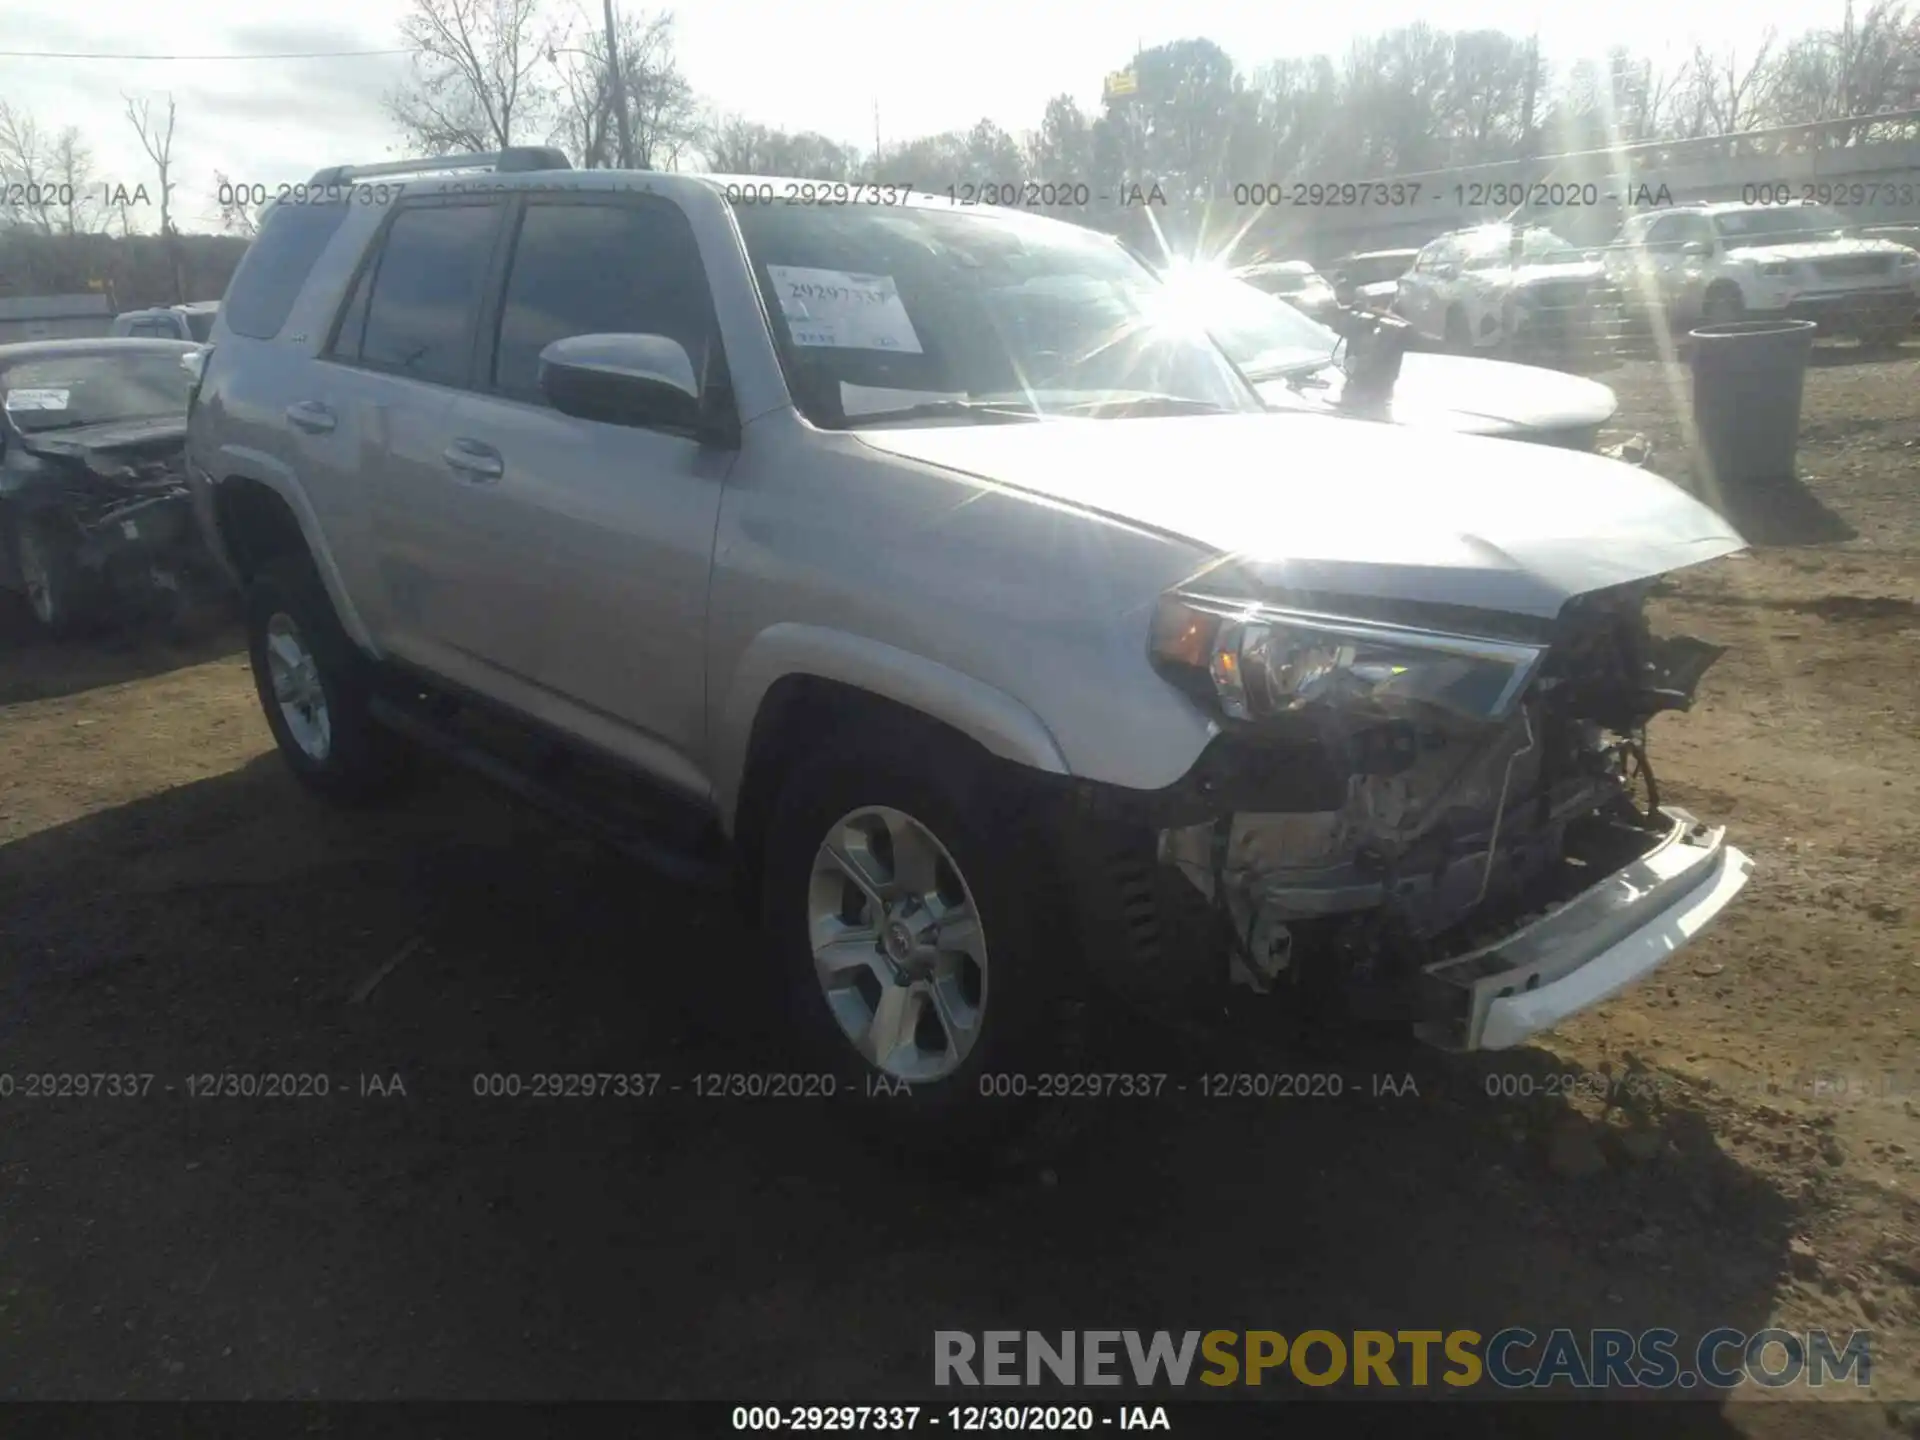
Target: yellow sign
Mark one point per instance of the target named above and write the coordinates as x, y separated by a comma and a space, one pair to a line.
1122, 82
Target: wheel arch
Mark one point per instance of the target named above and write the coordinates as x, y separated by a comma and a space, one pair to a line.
797, 682
260, 513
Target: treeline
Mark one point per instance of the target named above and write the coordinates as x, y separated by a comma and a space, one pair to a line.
133, 271
1185, 123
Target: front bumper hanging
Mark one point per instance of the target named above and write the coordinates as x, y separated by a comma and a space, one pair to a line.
1589, 948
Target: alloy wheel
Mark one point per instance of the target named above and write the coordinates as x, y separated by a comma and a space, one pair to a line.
898, 947
297, 689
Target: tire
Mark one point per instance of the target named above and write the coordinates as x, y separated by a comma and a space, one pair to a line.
1882, 336
335, 748
60, 595
1457, 334
1724, 305
988, 865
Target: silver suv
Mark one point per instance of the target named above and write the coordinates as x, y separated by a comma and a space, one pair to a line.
923, 570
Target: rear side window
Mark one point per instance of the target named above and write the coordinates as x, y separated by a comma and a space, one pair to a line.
600, 269
427, 287
277, 265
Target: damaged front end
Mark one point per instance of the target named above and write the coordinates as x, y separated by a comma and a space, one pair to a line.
119, 503
1481, 849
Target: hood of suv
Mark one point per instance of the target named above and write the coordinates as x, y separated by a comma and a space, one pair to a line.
1328, 506
1816, 249
1464, 393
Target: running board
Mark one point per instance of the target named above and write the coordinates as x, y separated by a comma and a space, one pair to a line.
668, 860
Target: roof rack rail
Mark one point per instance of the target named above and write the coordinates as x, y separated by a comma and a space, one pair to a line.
515, 159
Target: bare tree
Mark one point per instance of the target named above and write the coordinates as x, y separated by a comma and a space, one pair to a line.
1727, 95
730, 145
661, 111
158, 144
480, 75
237, 217
1859, 69
28, 190
71, 166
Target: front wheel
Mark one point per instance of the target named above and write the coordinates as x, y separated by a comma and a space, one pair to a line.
902, 904
57, 589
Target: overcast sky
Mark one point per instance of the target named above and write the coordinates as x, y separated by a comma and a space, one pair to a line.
823, 65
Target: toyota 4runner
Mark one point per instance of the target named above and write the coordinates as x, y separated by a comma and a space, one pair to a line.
926, 573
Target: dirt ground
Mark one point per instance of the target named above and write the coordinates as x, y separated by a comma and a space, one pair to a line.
171, 905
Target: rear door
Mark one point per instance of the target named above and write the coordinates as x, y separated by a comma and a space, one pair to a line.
613, 524
404, 351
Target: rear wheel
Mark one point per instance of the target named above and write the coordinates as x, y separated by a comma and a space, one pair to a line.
901, 903
314, 686
1882, 335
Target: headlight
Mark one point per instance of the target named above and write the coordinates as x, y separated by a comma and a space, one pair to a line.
1263, 662
1909, 260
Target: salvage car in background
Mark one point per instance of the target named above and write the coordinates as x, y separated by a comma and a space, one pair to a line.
1715, 264
169, 322
93, 503
1297, 283
1520, 291
1292, 362
1370, 281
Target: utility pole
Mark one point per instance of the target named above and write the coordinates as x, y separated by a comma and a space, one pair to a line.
876, 132
617, 82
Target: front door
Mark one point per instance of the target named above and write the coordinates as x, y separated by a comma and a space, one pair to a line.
614, 524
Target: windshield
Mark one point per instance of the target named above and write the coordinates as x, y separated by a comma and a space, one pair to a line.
880, 311
1490, 249
1764, 225
68, 391
1261, 334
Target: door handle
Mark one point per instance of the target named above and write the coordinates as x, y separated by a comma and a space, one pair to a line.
478, 464
311, 416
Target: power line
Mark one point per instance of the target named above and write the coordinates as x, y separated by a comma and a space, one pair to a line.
101, 55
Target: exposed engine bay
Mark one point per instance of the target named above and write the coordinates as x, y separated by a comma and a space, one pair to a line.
1451, 829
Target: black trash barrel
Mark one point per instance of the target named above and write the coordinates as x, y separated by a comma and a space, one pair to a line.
1747, 382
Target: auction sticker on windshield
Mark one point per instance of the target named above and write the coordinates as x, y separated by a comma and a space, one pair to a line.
843, 311
37, 399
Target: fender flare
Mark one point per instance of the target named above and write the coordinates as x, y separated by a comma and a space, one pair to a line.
259, 468
1001, 724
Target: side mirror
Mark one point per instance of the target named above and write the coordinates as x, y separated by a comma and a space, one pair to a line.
643, 381
1696, 247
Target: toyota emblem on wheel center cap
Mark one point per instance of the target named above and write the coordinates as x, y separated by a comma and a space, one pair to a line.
899, 939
